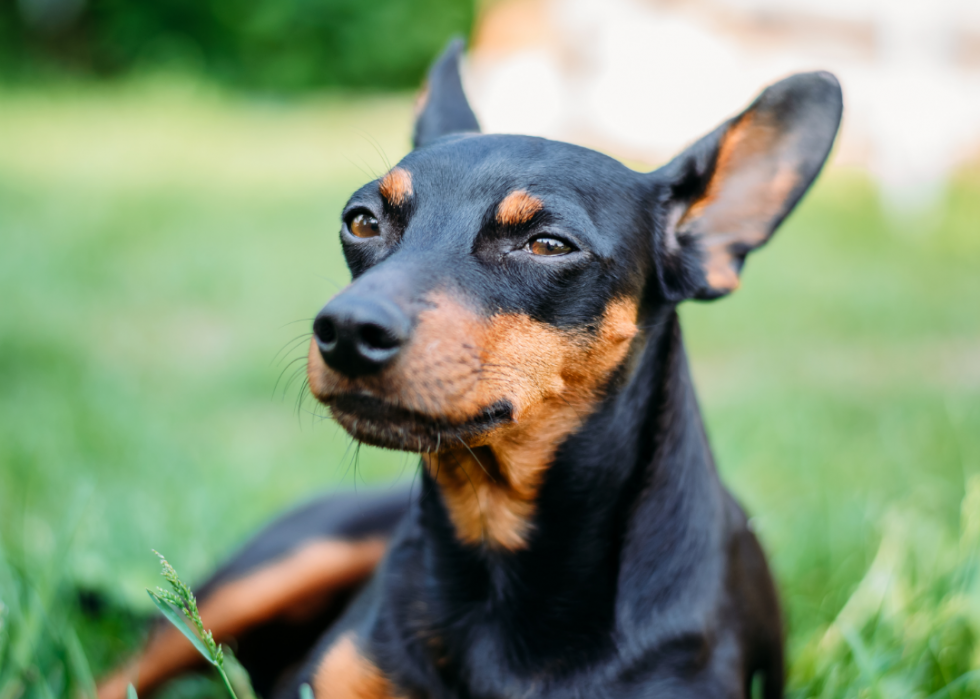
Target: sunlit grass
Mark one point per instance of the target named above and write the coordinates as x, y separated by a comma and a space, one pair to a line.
158, 241
911, 627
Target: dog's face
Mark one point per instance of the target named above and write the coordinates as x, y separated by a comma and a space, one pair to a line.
496, 279
499, 281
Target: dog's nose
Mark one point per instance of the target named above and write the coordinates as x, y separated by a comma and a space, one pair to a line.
358, 336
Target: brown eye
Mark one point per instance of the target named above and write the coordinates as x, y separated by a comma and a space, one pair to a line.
365, 226
548, 246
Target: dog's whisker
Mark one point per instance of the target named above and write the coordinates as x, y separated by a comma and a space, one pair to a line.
315, 415
293, 322
300, 397
378, 149
366, 173
296, 373
357, 456
290, 345
343, 458
283, 372
476, 494
476, 458
331, 281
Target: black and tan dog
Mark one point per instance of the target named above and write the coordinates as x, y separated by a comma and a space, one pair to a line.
512, 319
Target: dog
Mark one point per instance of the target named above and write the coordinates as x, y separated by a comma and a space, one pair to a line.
512, 319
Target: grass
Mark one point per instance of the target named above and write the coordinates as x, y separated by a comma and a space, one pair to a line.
157, 241
179, 606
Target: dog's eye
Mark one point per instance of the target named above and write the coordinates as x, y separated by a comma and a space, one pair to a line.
365, 226
548, 246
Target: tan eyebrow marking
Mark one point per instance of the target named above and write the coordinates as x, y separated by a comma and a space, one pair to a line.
396, 186
518, 207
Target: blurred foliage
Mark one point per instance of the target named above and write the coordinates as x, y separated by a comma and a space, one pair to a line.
912, 625
159, 239
275, 45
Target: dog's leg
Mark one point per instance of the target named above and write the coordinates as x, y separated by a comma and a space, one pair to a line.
274, 598
754, 596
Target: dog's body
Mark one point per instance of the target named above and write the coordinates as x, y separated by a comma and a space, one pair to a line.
512, 318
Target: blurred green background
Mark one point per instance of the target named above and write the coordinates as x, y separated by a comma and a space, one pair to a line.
167, 235
271, 45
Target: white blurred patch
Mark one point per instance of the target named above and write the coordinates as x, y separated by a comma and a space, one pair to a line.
524, 93
643, 78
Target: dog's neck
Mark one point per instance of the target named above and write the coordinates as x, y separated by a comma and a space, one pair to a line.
636, 481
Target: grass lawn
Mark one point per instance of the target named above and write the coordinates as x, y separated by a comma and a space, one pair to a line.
163, 247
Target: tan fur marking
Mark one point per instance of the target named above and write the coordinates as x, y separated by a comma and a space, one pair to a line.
490, 491
344, 673
458, 365
749, 188
396, 186
304, 581
437, 375
518, 207
421, 100
719, 272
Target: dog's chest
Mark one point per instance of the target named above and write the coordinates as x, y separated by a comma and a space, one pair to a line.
346, 673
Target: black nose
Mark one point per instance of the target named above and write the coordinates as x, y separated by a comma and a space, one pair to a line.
358, 336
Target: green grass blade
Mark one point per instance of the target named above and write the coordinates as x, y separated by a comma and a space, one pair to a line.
227, 681
177, 619
78, 664
43, 685
238, 676
963, 679
862, 658
4, 625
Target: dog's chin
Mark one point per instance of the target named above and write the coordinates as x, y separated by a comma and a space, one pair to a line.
379, 423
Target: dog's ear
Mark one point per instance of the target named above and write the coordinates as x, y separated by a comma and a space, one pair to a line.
444, 109
724, 196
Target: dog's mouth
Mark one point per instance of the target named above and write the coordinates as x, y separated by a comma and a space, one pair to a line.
377, 422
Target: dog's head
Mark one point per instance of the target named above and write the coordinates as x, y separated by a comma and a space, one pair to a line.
498, 279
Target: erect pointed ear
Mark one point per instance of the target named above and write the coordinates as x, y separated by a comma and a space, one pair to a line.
724, 196
444, 109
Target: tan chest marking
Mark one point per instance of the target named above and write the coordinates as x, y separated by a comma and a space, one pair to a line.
344, 673
490, 488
